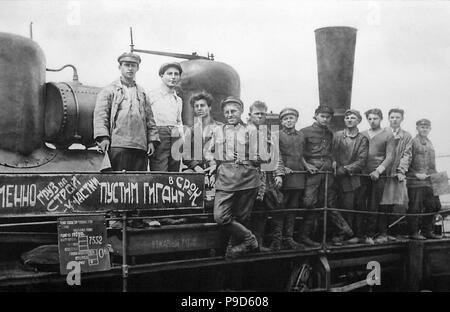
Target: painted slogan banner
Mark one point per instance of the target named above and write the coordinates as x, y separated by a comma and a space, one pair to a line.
87, 192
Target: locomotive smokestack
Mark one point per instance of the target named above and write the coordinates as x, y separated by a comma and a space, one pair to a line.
335, 57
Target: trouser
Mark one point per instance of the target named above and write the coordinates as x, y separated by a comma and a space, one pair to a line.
128, 159
258, 220
422, 199
163, 158
369, 198
232, 210
284, 222
348, 201
315, 195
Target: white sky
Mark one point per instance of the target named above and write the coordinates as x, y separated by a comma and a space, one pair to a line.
402, 54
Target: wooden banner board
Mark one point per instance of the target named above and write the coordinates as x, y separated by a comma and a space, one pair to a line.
22, 194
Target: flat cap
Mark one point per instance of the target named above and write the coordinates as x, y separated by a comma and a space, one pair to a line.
423, 121
288, 111
165, 66
129, 57
324, 109
232, 99
353, 112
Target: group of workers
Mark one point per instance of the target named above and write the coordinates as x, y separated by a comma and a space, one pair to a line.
274, 171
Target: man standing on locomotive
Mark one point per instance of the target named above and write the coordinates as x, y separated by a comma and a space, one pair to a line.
381, 149
124, 126
237, 179
198, 138
350, 153
420, 193
269, 196
395, 191
167, 106
291, 150
318, 156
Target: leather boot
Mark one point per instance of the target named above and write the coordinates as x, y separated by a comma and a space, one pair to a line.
250, 244
306, 230
277, 230
288, 240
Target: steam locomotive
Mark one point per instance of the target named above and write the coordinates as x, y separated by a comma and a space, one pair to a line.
37, 113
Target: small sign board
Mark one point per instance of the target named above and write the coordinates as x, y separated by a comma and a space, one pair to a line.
439, 183
83, 239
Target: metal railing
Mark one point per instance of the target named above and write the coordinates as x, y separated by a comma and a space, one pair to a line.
124, 217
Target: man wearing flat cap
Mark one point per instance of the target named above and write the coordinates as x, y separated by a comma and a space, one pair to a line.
395, 189
124, 126
237, 178
291, 150
420, 193
350, 150
318, 156
167, 106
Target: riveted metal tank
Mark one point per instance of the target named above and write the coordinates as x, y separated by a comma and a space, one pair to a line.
219, 79
69, 109
335, 58
22, 67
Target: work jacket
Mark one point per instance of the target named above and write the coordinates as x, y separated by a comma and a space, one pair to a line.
350, 152
395, 192
107, 106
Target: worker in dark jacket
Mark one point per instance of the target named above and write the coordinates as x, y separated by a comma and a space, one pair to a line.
350, 153
269, 196
420, 193
291, 149
318, 156
237, 178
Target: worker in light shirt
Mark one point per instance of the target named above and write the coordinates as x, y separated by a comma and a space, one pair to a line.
167, 107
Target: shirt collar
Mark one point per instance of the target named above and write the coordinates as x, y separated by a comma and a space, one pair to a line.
422, 140
126, 83
396, 132
289, 131
351, 135
164, 90
318, 125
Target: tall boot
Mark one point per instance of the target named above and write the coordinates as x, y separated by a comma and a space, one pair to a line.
288, 238
277, 231
343, 228
306, 230
250, 244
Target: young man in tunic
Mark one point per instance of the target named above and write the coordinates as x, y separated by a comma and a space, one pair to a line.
291, 149
237, 179
318, 156
420, 193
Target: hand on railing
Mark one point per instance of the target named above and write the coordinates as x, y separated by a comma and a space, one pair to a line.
422, 176
279, 181
311, 168
401, 177
374, 175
